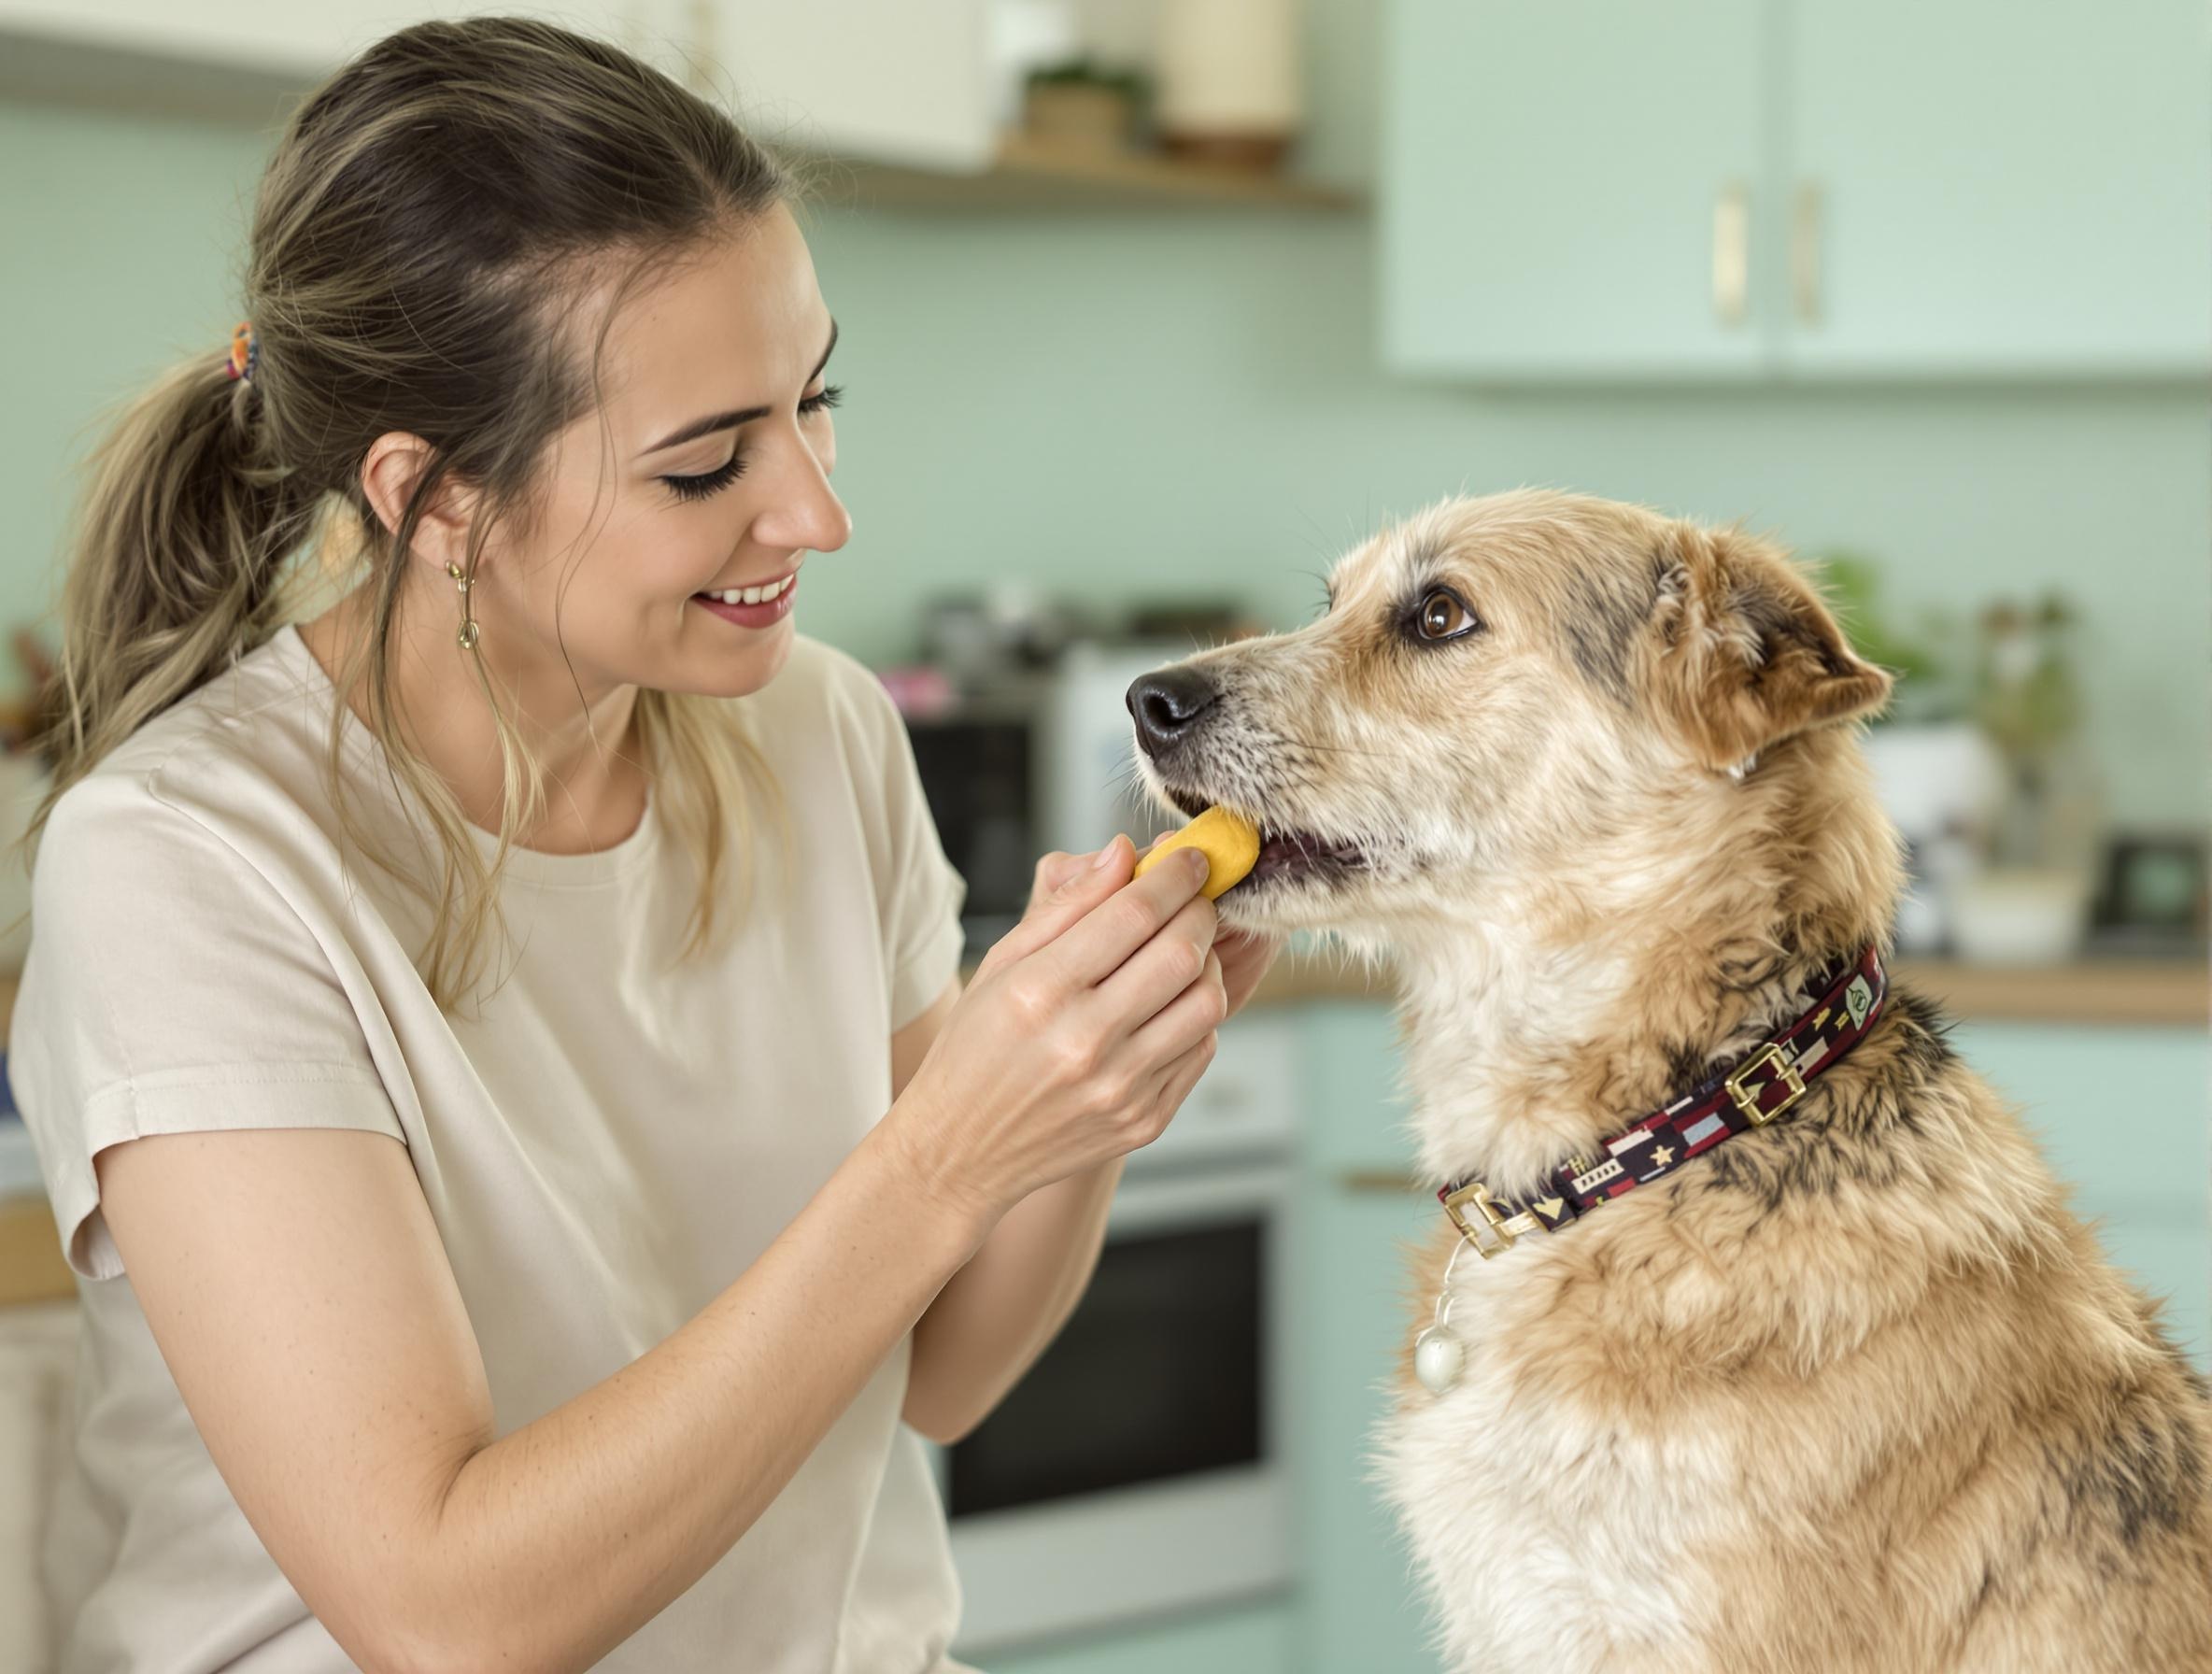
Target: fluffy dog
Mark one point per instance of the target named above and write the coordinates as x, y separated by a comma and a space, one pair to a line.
1852, 1391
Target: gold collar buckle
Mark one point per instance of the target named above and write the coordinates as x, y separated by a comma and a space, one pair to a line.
1785, 1075
1489, 1228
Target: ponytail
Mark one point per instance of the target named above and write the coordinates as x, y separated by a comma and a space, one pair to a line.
183, 537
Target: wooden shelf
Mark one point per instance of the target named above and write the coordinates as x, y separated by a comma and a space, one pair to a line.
1028, 175
2101, 991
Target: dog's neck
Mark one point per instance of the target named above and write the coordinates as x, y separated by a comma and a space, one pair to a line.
1553, 1020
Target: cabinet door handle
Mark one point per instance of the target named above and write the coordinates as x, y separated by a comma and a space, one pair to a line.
1382, 1181
1806, 210
1732, 253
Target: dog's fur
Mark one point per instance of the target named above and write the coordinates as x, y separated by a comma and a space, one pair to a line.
1852, 1391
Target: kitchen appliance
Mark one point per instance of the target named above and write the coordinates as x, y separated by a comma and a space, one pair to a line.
1141, 1467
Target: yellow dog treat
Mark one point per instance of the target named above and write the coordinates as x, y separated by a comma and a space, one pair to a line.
1231, 845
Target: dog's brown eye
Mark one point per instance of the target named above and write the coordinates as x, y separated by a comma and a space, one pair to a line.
1442, 616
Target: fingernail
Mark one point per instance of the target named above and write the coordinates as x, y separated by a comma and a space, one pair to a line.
1104, 857
1197, 864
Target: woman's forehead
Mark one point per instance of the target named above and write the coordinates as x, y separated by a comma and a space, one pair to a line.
740, 321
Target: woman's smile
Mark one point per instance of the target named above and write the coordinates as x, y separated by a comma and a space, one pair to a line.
759, 606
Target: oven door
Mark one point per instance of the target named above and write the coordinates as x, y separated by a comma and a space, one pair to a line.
1139, 1468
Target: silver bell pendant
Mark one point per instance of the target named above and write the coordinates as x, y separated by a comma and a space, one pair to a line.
1438, 1357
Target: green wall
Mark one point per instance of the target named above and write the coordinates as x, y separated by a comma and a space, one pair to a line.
1116, 405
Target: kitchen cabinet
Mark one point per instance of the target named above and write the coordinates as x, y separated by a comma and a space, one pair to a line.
1567, 187
1358, 1604
1253, 1639
2120, 1115
897, 80
1805, 189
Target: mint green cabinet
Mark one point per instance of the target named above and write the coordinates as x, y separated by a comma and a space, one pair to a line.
1565, 185
1359, 1608
1806, 189
1253, 1640
2120, 1114
1976, 186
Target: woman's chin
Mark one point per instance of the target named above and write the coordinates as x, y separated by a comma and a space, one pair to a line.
731, 670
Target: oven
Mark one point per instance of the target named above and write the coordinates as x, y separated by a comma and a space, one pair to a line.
1140, 1467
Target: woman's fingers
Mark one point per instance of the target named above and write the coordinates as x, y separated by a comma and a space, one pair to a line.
1184, 1019
1094, 948
1179, 954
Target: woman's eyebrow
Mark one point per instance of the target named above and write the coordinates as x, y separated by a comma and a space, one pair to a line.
732, 420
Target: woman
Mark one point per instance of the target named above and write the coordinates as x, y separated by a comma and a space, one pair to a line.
707, 1174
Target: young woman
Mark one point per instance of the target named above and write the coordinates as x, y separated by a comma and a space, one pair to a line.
550, 853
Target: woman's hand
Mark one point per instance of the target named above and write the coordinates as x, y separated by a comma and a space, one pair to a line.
1078, 1039
1246, 956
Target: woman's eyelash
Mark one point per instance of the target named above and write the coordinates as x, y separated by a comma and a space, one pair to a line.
706, 482
721, 477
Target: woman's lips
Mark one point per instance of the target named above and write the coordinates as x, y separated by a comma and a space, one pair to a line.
773, 603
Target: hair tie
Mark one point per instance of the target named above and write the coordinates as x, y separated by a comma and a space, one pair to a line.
245, 352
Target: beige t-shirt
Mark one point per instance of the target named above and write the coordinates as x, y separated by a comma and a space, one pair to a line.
611, 1141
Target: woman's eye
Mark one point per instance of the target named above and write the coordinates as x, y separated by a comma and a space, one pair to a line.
1443, 615
828, 396
706, 482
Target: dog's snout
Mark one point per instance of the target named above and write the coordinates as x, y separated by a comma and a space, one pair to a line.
1166, 704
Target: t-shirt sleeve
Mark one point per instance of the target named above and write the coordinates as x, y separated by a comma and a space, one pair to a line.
918, 894
170, 989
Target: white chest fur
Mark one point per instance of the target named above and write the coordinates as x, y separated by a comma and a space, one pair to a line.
1550, 1538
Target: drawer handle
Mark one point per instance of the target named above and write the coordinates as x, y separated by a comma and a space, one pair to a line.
1378, 1182
1731, 254
1805, 209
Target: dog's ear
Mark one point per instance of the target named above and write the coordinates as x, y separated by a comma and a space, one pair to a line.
1748, 655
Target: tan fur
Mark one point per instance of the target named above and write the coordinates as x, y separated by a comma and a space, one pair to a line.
1856, 1392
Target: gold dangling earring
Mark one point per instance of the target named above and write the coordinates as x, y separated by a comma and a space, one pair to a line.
468, 623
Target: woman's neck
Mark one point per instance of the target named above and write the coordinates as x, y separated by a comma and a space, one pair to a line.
1541, 1027
595, 787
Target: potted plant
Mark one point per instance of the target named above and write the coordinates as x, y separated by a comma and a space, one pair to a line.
2030, 905
1082, 105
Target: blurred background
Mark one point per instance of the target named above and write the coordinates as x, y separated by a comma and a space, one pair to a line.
1149, 310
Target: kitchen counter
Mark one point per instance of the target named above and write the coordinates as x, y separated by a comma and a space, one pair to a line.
2110, 991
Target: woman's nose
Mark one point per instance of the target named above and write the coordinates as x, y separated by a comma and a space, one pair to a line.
806, 512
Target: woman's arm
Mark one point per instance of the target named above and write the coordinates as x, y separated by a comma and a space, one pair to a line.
1003, 1310
323, 1351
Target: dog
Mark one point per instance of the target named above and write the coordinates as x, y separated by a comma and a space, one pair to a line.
1852, 1390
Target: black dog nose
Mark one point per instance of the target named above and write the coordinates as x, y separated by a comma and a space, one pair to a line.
1166, 704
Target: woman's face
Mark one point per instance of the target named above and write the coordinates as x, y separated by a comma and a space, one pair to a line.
700, 479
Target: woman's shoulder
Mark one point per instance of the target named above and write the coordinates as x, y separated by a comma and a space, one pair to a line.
248, 747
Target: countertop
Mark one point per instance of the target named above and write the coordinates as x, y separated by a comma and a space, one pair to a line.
2104, 991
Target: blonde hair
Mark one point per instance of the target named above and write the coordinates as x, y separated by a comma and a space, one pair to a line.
431, 216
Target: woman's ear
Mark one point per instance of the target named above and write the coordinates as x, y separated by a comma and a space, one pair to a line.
394, 465
1748, 655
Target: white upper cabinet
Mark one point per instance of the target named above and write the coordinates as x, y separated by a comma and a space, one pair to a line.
905, 81
1570, 186
1980, 185
891, 80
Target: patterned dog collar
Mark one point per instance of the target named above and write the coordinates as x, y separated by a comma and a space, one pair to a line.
1762, 1086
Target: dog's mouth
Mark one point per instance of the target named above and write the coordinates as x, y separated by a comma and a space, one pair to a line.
1284, 854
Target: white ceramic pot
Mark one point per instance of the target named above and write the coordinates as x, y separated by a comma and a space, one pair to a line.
2019, 917
1230, 70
